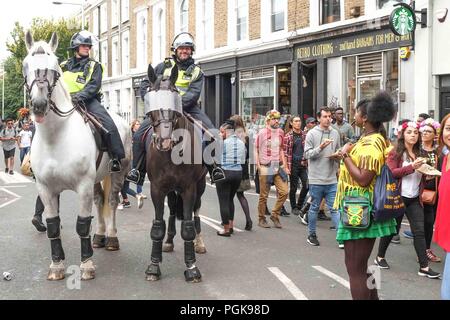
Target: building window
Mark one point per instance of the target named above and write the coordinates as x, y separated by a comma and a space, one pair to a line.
105, 99
382, 4
160, 36
207, 24
95, 21
114, 13
277, 15
330, 11
117, 106
125, 11
257, 95
104, 56
183, 16
104, 17
115, 56
125, 52
141, 59
241, 19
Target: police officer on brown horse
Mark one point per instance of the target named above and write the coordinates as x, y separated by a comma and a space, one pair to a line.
83, 77
189, 84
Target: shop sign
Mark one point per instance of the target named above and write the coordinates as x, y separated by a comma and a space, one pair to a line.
137, 81
404, 53
374, 41
402, 20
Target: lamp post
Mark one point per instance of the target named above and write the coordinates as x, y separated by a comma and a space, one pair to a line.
3, 91
74, 4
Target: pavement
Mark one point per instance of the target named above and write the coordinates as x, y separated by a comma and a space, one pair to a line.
261, 264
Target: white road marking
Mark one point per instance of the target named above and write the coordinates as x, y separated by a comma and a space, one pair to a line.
219, 223
293, 289
5, 186
211, 224
17, 197
249, 193
15, 178
333, 276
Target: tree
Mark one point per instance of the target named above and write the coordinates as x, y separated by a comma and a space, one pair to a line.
41, 29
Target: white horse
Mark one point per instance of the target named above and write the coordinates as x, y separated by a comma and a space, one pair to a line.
64, 156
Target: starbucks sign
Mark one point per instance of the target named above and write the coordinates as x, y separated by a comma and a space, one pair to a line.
402, 20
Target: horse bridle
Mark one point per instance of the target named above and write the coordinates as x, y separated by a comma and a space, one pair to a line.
41, 77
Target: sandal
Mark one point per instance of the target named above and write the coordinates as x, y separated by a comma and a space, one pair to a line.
223, 233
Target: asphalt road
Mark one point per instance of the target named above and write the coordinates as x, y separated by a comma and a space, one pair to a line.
260, 264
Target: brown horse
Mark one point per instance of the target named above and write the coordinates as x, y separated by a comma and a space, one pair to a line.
187, 178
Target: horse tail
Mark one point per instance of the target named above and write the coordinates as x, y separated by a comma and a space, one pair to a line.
106, 210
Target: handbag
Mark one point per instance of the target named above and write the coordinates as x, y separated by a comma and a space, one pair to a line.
429, 197
387, 198
25, 167
355, 210
244, 185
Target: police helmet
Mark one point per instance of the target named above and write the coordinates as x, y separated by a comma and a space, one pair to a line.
183, 39
82, 37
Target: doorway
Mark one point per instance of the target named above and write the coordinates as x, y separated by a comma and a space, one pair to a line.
308, 88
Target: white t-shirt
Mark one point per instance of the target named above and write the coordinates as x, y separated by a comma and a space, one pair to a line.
411, 183
25, 138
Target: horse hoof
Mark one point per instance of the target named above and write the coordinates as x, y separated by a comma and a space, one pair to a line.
55, 274
193, 275
87, 274
167, 247
87, 269
153, 272
112, 244
152, 277
98, 241
200, 250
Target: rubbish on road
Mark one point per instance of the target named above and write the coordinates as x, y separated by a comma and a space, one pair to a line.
7, 276
332, 285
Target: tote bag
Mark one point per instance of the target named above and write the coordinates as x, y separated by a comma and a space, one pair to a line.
387, 199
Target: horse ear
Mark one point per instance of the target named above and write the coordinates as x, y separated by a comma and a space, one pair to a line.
151, 73
29, 42
54, 42
174, 75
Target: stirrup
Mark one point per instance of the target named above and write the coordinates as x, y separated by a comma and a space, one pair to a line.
218, 174
111, 165
133, 176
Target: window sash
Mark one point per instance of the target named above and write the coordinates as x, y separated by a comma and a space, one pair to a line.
331, 11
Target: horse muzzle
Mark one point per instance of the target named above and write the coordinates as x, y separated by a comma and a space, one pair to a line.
164, 144
39, 108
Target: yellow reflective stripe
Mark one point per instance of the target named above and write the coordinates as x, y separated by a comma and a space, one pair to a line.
183, 81
70, 78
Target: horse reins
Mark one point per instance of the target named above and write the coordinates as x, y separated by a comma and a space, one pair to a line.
50, 87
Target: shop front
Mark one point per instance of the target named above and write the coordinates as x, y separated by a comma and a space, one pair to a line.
248, 85
344, 69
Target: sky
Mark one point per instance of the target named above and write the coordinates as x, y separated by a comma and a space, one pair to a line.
24, 11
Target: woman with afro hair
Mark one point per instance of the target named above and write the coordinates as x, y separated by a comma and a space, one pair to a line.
361, 164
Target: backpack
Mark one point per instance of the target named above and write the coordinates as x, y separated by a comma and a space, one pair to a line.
15, 131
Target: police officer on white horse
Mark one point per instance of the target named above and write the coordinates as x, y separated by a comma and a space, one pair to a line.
189, 84
83, 78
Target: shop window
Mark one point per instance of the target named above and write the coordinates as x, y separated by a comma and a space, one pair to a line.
284, 89
330, 11
257, 96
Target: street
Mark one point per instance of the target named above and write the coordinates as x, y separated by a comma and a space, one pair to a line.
261, 264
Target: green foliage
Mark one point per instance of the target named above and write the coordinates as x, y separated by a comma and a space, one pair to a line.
41, 29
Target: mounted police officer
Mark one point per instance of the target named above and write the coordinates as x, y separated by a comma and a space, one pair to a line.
83, 77
189, 84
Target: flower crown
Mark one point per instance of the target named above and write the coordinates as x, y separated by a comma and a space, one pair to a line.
409, 124
430, 122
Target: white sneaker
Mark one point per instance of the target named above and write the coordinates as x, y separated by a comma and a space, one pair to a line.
120, 206
143, 196
341, 246
140, 200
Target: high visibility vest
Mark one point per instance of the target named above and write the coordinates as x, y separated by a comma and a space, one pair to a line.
76, 81
185, 77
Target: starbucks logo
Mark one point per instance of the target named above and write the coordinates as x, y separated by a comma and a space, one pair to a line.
402, 21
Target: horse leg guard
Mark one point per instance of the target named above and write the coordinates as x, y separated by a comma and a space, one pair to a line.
53, 233
157, 235
153, 272
83, 230
188, 230
192, 273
